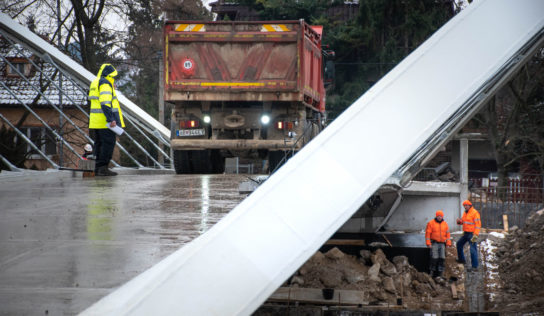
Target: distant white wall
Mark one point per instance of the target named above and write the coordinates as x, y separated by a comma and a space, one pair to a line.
420, 201
416, 210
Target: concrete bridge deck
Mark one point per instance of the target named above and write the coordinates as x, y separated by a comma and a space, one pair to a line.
66, 241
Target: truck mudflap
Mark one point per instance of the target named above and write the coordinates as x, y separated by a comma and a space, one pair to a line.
185, 144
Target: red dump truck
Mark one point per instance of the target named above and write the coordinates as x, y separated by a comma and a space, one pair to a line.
244, 89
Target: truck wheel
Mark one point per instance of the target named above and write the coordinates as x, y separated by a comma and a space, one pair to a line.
218, 161
182, 165
200, 160
276, 159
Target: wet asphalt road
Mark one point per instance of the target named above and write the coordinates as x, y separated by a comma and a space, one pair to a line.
66, 242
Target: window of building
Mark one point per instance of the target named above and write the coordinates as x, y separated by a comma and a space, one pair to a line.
21, 66
42, 138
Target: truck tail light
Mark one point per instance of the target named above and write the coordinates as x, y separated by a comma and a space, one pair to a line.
189, 124
284, 125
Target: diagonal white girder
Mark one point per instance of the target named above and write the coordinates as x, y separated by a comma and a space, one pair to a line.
76, 71
234, 267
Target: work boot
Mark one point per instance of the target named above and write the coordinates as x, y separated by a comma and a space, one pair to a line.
432, 267
104, 172
100, 172
440, 267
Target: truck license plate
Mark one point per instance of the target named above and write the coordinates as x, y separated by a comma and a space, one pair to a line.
190, 132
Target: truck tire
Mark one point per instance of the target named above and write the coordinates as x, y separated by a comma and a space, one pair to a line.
201, 161
192, 161
218, 161
276, 159
182, 164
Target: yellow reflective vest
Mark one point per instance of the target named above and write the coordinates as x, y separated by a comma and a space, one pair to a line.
104, 104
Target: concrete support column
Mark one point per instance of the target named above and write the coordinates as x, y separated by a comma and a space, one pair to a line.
463, 172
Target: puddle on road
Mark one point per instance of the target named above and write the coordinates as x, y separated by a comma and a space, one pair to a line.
170, 208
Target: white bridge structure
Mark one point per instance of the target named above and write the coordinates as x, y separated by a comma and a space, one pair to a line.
386, 136
390, 130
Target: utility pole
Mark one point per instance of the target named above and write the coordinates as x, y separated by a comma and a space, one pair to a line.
161, 102
61, 147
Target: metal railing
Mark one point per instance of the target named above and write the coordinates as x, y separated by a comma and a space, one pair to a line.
49, 75
516, 200
304, 138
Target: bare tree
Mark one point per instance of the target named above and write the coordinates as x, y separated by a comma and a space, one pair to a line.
86, 17
514, 119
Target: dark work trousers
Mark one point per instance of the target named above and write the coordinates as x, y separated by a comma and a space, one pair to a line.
104, 142
473, 249
438, 256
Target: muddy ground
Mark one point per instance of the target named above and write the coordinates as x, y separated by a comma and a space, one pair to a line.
515, 268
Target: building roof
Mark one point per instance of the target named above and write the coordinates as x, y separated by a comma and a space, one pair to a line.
24, 90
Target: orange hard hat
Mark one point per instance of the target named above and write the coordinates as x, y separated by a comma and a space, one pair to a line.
439, 213
467, 202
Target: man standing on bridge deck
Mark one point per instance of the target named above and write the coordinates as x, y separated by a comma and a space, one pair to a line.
105, 114
471, 229
437, 237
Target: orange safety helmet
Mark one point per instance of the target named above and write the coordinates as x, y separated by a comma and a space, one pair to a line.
439, 213
467, 202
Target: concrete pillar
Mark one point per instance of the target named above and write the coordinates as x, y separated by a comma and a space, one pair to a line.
463, 172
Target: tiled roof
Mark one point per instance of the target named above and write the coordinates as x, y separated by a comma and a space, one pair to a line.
23, 89
17, 50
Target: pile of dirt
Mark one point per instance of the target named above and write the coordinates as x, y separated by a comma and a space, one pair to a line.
520, 260
382, 281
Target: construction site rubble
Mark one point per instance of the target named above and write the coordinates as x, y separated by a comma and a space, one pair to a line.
383, 282
519, 260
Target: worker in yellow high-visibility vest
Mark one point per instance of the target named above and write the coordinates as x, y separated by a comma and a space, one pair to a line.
105, 113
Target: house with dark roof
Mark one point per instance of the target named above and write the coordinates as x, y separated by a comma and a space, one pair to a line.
30, 99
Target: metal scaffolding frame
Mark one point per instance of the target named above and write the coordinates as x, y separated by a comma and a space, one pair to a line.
141, 123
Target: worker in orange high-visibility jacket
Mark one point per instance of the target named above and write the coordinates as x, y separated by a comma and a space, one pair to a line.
437, 237
471, 229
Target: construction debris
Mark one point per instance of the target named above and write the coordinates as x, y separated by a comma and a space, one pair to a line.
519, 260
380, 281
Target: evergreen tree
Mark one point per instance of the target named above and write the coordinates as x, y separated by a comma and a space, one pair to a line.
382, 35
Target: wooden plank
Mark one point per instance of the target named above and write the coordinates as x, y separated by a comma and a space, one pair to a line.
387, 240
345, 242
454, 291
86, 164
505, 222
315, 296
489, 230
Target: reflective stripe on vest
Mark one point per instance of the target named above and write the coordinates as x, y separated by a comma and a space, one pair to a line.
114, 110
